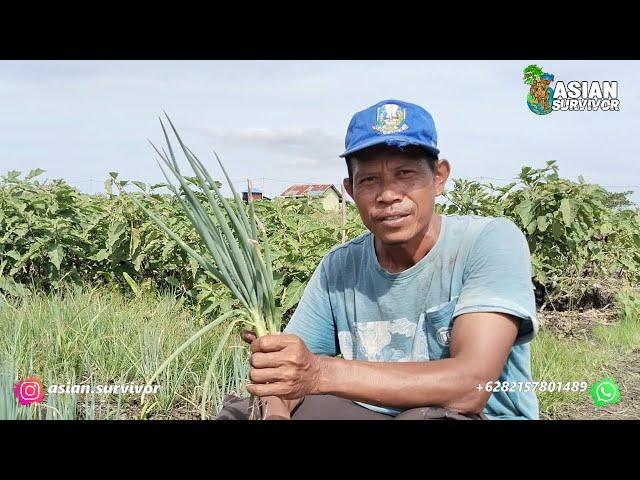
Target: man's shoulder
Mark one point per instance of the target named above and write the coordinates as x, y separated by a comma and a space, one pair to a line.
471, 220
352, 249
357, 244
472, 226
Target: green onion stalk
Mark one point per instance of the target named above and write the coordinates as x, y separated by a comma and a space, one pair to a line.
236, 253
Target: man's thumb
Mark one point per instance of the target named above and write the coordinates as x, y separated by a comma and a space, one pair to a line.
248, 336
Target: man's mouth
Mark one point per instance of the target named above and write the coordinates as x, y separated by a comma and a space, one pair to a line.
393, 220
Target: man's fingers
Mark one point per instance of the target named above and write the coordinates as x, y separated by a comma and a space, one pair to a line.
248, 336
264, 375
268, 389
266, 360
272, 343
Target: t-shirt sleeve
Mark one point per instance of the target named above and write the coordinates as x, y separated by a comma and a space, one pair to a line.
313, 320
497, 277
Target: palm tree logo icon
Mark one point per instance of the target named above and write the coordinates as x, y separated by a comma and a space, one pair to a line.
540, 96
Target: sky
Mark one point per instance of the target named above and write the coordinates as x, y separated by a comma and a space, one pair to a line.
282, 122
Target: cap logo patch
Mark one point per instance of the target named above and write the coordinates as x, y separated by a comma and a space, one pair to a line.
390, 119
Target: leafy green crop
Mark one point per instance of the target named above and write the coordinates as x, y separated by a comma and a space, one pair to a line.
576, 231
52, 235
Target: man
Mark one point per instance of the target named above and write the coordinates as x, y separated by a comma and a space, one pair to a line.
424, 310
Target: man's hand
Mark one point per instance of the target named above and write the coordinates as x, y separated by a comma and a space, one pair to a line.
274, 408
282, 367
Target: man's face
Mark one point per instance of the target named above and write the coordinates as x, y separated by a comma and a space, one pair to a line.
395, 194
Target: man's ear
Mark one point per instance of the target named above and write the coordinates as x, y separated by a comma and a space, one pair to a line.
443, 170
348, 186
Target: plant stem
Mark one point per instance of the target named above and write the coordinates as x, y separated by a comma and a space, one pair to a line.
255, 408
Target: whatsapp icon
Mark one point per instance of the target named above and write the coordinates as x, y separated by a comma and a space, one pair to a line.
605, 392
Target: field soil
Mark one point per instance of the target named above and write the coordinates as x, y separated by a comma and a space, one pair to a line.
576, 324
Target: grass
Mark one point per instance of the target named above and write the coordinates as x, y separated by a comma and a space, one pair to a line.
97, 337
589, 359
89, 336
624, 337
564, 360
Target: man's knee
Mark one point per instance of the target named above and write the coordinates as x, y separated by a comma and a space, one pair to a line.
437, 413
234, 408
331, 407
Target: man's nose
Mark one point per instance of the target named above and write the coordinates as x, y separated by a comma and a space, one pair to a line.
390, 191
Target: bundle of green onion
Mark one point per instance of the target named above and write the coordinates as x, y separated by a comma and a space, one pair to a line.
234, 253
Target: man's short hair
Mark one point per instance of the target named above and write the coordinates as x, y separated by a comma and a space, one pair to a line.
414, 152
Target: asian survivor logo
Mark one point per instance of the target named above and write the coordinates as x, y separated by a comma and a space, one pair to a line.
543, 98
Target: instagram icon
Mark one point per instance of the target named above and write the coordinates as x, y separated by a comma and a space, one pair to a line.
29, 391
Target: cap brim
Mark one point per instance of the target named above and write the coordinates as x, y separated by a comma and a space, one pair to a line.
389, 140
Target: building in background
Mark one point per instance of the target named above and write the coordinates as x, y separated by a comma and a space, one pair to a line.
256, 194
327, 193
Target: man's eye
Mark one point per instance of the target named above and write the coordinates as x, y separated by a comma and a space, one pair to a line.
367, 180
406, 172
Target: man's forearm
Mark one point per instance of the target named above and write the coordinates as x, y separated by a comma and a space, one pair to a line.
448, 382
480, 345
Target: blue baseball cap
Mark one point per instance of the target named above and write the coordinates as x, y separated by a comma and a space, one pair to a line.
393, 122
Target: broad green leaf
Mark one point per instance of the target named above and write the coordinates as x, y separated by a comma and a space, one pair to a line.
135, 241
292, 294
543, 223
56, 254
13, 254
566, 207
20, 232
606, 228
142, 186
13, 175
100, 256
193, 266
137, 262
132, 283
12, 287
34, 173
627, 263
116, 231
525, 212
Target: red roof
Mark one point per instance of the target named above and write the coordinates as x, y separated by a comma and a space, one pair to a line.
302, 190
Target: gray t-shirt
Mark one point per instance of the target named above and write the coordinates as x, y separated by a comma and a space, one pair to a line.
354, 307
